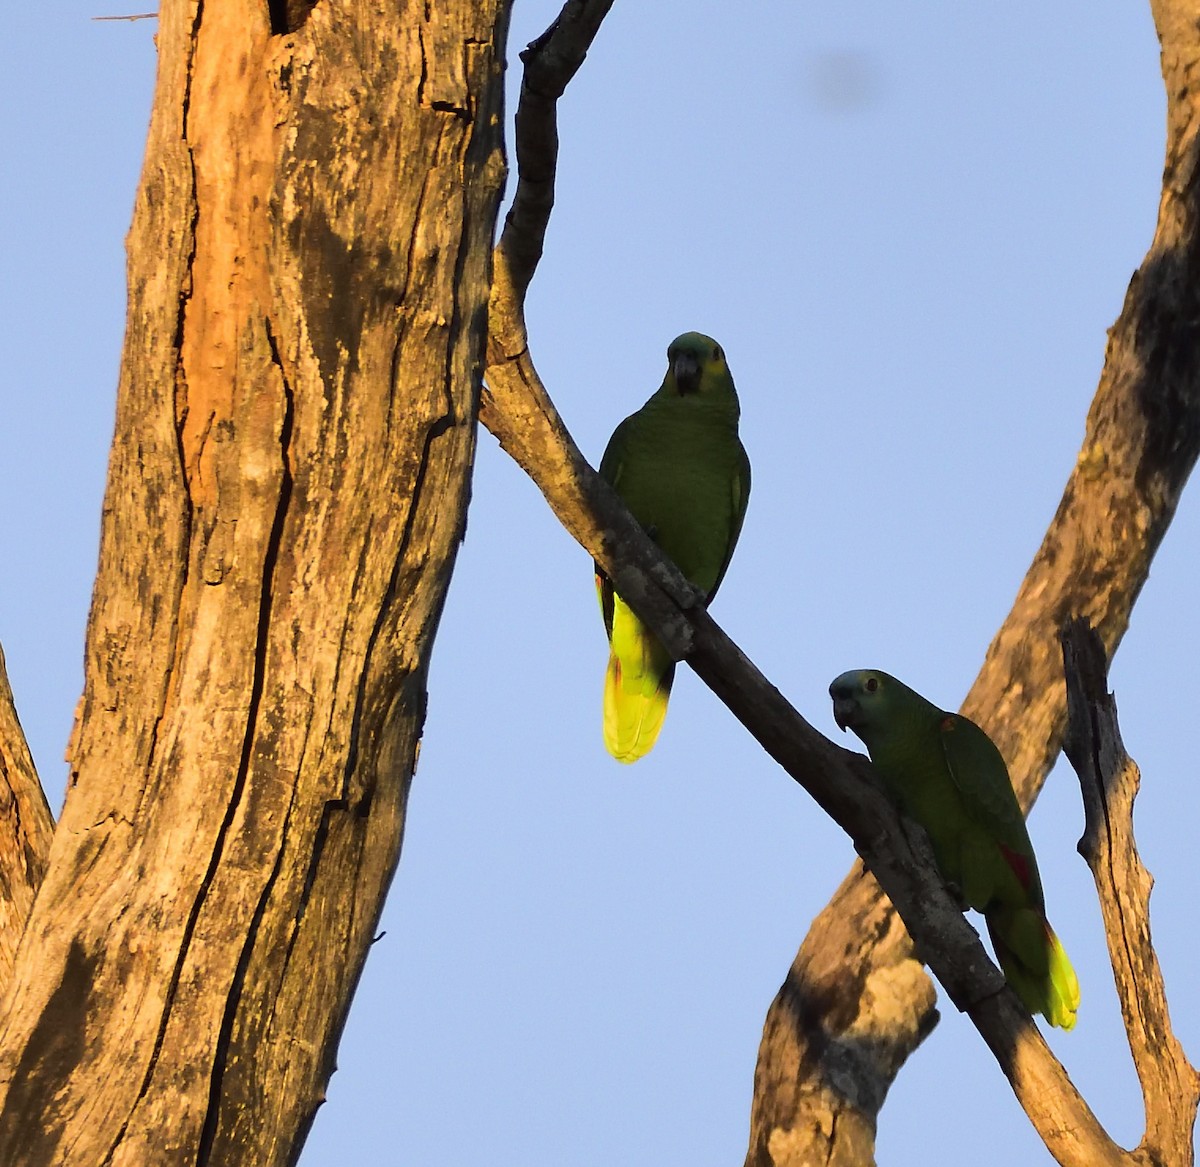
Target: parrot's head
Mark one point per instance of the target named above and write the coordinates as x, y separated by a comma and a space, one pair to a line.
862, 701
696, 366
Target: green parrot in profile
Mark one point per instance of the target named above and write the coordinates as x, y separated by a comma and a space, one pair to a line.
680, 468
947, 774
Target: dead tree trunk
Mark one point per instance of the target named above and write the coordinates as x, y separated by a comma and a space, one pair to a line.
308, 281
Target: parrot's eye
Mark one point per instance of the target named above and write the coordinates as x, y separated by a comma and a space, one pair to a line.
717, 354
871, 684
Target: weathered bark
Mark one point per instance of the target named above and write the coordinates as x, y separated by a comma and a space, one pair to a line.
1109, 781
26, 827
308, 279
1141, 442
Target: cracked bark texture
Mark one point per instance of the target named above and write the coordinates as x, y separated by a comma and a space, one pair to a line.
1109, 780
854, 1004
308, 274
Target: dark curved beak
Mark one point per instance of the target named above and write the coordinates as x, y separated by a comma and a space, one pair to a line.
843, 709
687, 373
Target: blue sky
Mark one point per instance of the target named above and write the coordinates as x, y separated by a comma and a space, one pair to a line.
910, 229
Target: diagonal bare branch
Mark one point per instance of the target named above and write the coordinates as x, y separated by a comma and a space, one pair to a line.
517, 410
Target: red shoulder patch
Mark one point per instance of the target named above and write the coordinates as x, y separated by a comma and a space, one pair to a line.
1018, 863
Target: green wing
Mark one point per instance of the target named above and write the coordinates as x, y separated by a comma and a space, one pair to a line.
741, 496
981, 778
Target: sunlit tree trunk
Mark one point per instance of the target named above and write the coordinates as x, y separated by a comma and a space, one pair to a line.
309, 267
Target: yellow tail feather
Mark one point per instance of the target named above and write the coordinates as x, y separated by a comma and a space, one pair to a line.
1063, 995
637, 686
1036, 964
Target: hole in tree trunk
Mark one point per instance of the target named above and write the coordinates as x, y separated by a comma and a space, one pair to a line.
288, 15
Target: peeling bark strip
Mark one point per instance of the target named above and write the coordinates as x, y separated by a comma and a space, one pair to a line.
1141, 443
26, 828
308, 278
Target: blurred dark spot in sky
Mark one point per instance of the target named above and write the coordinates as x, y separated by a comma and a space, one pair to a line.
842, 81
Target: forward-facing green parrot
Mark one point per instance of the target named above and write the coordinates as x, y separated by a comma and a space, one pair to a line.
947, 774
680, 467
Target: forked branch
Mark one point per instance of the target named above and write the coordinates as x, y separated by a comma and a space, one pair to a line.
518, 411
